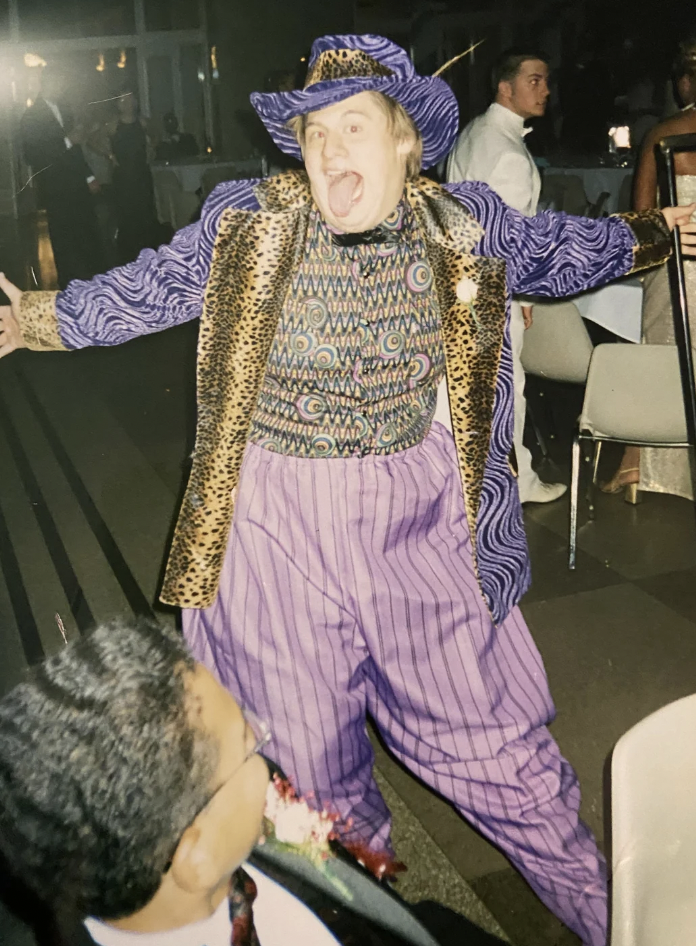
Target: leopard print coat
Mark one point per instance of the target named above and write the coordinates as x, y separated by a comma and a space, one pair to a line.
253, 264
243, 255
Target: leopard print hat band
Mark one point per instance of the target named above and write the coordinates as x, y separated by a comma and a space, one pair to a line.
335, 64
341, 66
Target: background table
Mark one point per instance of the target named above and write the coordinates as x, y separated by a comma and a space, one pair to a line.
181, 187
596, 180
190, 173
617, 307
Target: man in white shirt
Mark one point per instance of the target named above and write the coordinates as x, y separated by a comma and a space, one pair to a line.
491, 149
132, 798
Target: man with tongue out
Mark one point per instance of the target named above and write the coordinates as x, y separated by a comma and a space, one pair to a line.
339, 551
355, 159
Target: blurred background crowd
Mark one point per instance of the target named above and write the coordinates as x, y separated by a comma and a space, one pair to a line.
154, 96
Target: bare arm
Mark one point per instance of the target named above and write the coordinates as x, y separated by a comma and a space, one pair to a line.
645, 185
645, 190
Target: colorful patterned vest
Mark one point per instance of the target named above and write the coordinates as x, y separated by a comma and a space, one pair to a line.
358, 355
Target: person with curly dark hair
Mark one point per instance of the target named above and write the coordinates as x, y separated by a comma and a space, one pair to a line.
132, 799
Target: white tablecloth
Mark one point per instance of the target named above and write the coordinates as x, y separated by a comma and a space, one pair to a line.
597, 180
191, 175
618, 307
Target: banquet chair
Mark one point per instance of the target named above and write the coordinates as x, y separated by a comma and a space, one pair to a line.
564, 192
214, 176
556, 347
633, 396
625, 195
596, 209
653, 780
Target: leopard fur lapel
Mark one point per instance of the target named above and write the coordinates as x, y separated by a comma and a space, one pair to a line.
471, 293
254, 257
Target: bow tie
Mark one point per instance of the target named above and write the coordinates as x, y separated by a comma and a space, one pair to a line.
242, 896
380, 234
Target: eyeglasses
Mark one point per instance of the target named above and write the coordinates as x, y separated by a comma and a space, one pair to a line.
262, 736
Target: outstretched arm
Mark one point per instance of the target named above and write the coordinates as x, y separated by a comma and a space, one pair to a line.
160, 289
553, 254
645, 184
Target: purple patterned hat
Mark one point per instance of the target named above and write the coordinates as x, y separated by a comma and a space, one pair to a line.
341, 66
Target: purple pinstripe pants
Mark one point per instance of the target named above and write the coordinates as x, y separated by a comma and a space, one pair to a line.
348, 587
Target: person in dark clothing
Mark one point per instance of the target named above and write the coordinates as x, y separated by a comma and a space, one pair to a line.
64, 182
134, 192
175, 144
132, 800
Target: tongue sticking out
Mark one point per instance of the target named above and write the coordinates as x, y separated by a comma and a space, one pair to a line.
342, 192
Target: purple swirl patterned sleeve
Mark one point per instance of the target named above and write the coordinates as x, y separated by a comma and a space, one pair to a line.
551, 254
160, 289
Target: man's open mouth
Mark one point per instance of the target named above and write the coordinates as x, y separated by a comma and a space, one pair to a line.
345, 190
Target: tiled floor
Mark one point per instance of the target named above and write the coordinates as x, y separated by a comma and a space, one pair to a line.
93, 449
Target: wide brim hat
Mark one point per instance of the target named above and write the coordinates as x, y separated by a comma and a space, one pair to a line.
341, 66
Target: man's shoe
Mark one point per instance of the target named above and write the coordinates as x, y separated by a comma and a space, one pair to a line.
542, 492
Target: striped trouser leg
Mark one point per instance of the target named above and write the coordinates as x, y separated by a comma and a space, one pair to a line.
349, 585
280, 637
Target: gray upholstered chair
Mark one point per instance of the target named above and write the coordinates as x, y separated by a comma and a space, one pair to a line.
633, 396
653, 778
556, 347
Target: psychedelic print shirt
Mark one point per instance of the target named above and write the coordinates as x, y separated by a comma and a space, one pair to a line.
357, 356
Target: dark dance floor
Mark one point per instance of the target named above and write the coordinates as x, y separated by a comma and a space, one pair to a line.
93, 449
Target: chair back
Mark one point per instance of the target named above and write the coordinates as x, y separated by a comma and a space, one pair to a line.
564, 192
625, 194
214, 176
596, 209
557, 345
634, 395
653, 792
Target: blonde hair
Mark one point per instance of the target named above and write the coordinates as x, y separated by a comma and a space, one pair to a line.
401, 125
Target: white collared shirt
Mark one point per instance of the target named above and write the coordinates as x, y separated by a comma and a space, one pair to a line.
279, 917
491, 149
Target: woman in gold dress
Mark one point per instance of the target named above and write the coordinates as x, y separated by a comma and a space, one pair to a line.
664, 469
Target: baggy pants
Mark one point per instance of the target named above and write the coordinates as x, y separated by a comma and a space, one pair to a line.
349, 588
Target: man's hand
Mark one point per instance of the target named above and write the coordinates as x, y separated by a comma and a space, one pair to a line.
527, 316
10, 335
94, 187
681, 217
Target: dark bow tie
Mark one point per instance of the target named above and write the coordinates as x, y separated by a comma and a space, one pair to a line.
380, 234
242, 896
